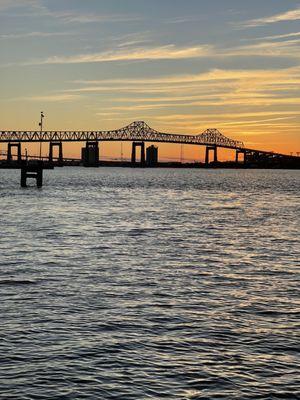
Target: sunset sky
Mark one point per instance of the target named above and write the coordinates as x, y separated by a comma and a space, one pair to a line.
181, 66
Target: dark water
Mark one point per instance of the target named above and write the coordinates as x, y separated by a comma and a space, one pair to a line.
150, 284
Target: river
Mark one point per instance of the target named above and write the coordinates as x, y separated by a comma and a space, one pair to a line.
138, 284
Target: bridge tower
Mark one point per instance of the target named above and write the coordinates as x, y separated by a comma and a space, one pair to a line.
208, 150
133, 153
60, 152
9, 148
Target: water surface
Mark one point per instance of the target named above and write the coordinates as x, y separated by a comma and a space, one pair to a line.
150, 284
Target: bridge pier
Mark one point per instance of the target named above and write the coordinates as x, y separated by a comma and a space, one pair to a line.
133, 153
237, 154
9, 154
208, 150
90, 154
60, 152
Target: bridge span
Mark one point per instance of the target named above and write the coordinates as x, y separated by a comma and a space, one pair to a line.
138, 133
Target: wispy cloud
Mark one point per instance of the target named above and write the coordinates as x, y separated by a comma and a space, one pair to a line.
214, 77
245, 89
64, 97
9, 4
38, 9
291, 15
258, 122
170, 52
134, 42
130, 53
132, 39
185, 19
228, 100
273, 37
287, 48
228, 117
34, 34
69, 17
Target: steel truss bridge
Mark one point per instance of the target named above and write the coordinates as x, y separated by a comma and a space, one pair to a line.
137, 131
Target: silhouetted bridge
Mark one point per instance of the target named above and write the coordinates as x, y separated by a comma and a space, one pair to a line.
138, 133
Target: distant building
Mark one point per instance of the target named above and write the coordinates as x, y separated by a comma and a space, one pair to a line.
152, 156
90, 154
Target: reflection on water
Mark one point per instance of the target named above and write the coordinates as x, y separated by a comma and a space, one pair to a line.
150, 284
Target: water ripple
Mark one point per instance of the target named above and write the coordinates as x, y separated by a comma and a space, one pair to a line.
150, 284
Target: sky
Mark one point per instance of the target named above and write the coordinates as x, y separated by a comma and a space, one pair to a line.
181, 66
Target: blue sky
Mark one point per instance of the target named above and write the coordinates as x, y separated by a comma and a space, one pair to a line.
182, 66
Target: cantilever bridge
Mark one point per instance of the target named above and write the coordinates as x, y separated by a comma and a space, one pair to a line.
137, 132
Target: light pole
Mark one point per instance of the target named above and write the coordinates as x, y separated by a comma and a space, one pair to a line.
41, 130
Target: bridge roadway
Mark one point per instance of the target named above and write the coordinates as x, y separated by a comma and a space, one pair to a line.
137, 132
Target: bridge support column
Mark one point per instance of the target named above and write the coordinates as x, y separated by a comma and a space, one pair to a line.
60, 152
208, 150
9, 154
90, 154
133, 153
237, 154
